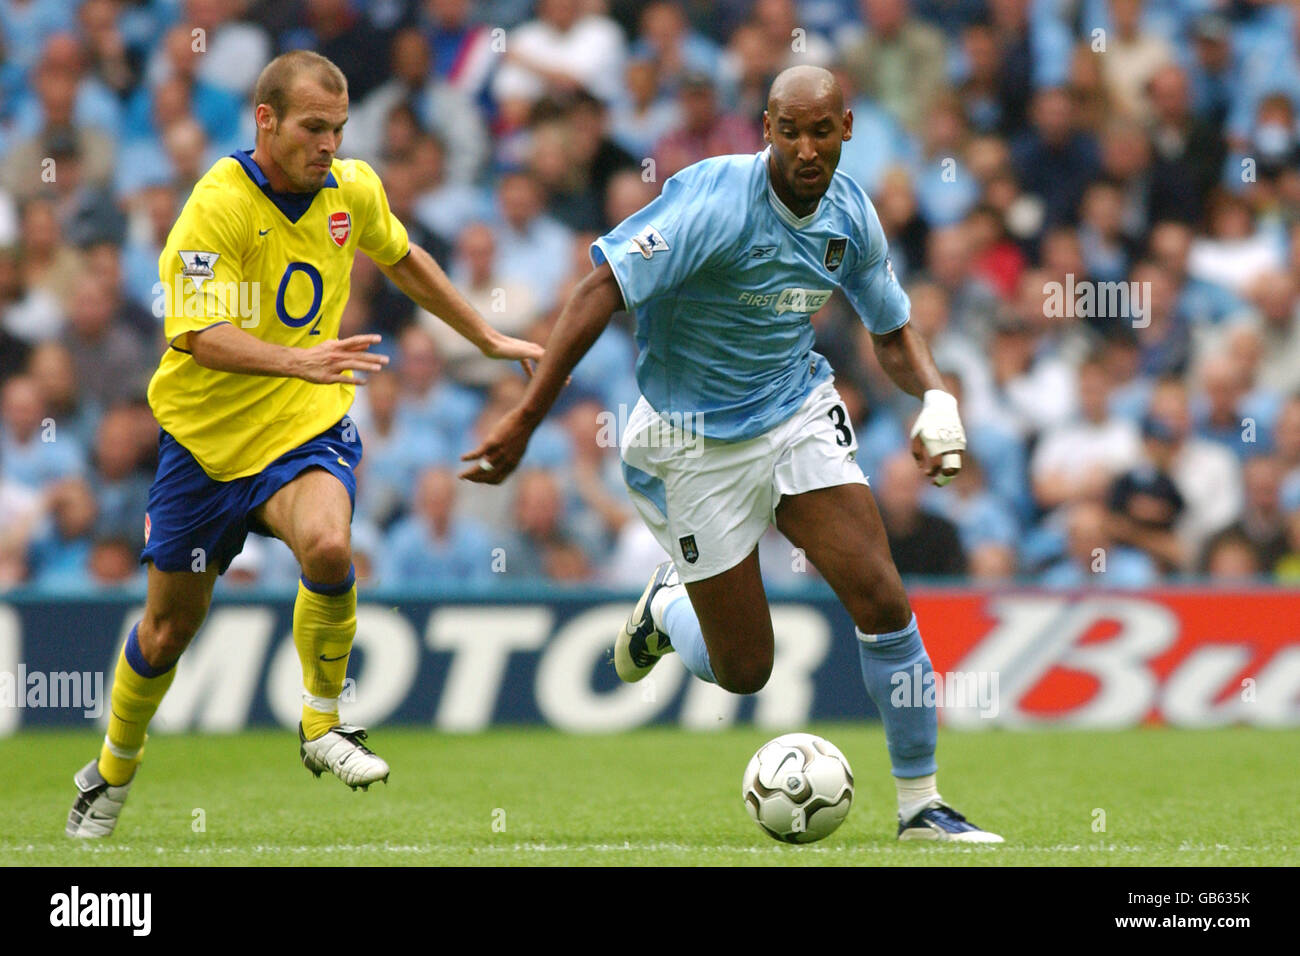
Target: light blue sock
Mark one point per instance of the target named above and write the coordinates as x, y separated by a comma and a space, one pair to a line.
683, 630
891, 665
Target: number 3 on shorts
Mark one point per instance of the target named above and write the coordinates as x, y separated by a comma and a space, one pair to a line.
840, 419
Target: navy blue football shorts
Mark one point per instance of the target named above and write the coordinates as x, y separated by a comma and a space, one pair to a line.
194, 521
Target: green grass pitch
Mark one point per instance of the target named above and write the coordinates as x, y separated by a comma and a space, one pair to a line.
536, 797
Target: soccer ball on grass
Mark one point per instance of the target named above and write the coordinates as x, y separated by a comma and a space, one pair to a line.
798, 788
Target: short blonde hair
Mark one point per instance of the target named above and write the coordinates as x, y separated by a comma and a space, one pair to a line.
279, 75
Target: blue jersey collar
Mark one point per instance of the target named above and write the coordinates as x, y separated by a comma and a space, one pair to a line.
293, 205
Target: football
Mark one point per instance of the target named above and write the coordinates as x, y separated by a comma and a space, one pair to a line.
798, 788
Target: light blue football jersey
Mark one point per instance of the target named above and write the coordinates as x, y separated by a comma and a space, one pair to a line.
724, 281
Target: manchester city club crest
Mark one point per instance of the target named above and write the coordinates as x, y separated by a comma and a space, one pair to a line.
689, 551
835, 252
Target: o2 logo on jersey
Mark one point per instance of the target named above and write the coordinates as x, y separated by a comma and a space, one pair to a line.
340, 228
317, 296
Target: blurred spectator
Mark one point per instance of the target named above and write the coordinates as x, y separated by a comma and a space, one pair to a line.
1094, 558
1188, 154
972, 300
509, 304
234, 51
441, 206
921, 542
429, 404
1231, 556
705, 131
112, 363
178, 92
395, 451
66, 115
1080, 460
440, 108
532, 247
33, 452
49, 270
153, 210
1054, 160
113, 563
1207, 475
538, 546
1262, 524
59, 556
1201, 303
1211, 69
1286, 445
641, 116
1224, 412
433, 544
665, 39
1235, 253
560, 52
899, 62
981, 517
946, 191
462, 50
1133, 55
787, 36
339, 30
1287, 570
75, 412
119, 478
1276, 316
1146, 503
113, 63
745, 73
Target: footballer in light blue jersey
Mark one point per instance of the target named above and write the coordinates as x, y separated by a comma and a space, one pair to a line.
739, 425
724, 280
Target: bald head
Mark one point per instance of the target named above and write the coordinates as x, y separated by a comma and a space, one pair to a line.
806, 124
805, 85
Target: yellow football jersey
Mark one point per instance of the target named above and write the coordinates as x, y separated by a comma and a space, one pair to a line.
277, 266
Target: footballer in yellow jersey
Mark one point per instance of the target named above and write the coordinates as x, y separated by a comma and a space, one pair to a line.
252, 397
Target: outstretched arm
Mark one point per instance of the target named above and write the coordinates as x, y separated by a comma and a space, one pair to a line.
424, 282
585, 316
938, 438
225, 348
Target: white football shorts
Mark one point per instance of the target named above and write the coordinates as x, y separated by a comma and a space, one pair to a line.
708, 502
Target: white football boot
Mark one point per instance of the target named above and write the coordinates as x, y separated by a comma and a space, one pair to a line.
342, 753
98, 805
640, 644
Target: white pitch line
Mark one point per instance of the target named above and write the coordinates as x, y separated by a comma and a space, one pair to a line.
542, 848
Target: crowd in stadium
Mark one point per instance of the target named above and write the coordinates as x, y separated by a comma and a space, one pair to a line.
1022, 155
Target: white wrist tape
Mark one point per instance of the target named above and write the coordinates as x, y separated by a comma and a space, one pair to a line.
940, 430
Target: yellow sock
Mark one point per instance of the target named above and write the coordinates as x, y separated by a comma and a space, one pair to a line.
324, 623
138, 689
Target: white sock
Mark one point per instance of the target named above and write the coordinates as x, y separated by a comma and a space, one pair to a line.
914, 793
659, 603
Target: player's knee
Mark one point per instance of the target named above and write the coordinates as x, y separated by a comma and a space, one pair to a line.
326, 556
882, 601
163, 639
744, 676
